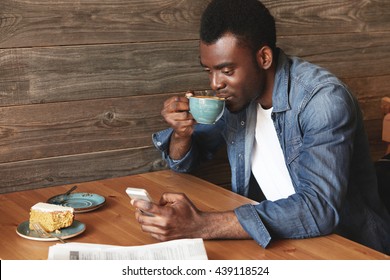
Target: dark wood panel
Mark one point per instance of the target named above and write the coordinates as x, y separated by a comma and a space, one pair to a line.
42, 75
56, 74
81, 168
54, 129
369, 87
370, 91
53, 171
48, 130
346, 55
48, 23
96, 165
324, 17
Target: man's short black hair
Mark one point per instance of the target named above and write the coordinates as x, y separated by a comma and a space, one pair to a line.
249, 20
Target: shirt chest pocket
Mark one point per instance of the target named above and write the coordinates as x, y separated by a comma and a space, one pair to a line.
230, 134
293, 148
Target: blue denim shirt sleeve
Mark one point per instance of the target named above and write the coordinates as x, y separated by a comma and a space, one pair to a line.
251, 222
161, 141
206, 140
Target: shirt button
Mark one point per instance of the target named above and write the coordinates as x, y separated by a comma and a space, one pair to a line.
242, 123
158, 143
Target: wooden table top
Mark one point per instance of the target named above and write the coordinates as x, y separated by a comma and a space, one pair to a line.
114, 223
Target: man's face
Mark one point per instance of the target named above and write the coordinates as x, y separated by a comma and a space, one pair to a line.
233, 71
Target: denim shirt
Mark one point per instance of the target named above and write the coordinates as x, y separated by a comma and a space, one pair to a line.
321, 133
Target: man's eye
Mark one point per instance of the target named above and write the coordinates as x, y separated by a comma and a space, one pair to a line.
228, 72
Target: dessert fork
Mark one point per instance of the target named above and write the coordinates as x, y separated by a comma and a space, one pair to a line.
43, 233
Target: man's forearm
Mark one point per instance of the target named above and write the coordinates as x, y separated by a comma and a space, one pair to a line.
179, 146
222, 225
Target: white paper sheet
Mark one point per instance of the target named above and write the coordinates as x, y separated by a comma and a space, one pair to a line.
181, 249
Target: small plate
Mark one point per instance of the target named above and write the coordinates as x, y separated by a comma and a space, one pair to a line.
81, 202
75, 229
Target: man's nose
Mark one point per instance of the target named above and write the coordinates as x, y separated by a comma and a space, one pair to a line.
216, 83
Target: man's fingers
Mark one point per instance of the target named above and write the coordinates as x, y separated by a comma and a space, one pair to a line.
171, 198
175, 104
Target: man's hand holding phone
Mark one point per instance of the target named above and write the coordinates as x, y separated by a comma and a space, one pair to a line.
139, 194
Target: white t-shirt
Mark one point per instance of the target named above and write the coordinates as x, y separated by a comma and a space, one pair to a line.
268, 164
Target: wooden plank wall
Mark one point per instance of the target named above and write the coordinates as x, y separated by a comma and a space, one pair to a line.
82, 82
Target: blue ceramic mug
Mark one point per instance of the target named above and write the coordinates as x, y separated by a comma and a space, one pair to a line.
206, 109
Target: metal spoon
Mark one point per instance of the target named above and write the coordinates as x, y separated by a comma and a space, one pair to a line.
62, 197
69, 191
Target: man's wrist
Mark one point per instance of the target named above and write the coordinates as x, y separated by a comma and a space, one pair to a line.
179, 138
179, 146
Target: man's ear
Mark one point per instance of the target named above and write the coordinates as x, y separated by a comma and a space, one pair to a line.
264, 57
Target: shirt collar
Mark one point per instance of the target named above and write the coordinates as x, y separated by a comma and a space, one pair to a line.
280, 100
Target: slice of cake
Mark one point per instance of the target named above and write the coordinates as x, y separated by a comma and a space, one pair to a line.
51, 217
